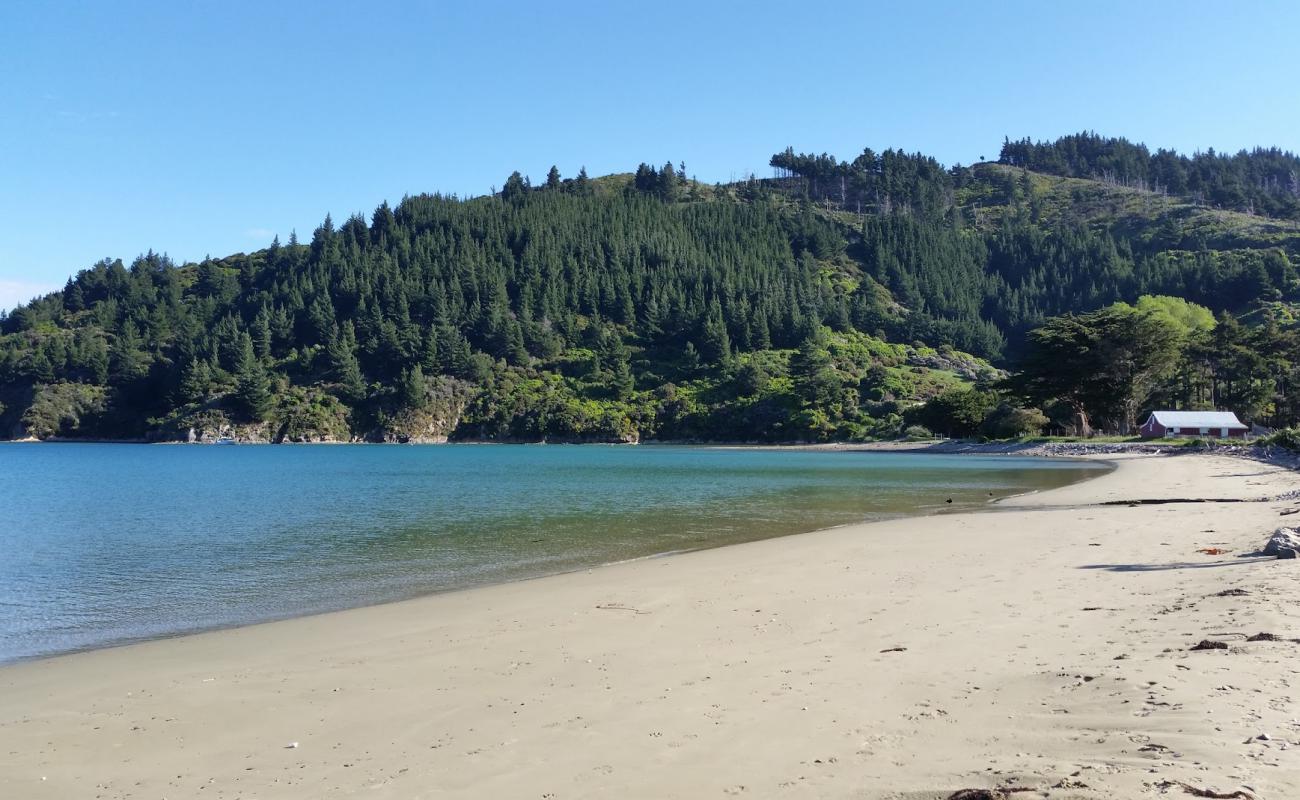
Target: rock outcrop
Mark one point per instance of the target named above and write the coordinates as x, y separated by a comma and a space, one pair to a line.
1284, 543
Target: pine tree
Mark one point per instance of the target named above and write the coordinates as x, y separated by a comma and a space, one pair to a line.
690, 357
96, 359
458, 358
40, 367
73, 298
260, 332
430, 358
128, 362
411, 388
715, 344
196, 382
621, 382
252, 395
667, 184
839, 319
344, 367
752, 379
815, 379
582, 184
516, 188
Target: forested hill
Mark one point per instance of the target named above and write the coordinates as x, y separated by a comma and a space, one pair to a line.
1262, 181
818, 304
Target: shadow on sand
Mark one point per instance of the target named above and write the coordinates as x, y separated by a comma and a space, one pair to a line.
1249, 558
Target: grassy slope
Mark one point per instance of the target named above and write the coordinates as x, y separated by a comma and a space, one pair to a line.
1131, 213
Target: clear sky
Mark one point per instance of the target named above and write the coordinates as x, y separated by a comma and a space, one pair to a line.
199, 128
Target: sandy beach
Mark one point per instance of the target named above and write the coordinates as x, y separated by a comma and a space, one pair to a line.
1042, 645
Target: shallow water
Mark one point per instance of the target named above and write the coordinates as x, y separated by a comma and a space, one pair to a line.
102, 544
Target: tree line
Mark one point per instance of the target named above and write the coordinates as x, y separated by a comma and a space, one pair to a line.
1264, 181
619, 308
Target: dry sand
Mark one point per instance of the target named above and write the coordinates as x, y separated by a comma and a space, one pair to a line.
1042, 645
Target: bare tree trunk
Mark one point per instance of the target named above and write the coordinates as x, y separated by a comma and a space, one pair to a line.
1081, 422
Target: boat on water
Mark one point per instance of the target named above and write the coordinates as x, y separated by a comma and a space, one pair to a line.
224, 440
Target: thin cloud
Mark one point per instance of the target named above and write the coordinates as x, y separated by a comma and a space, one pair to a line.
16, 293
81, 117
259, 233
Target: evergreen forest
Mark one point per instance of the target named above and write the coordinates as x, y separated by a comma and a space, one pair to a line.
1067, 287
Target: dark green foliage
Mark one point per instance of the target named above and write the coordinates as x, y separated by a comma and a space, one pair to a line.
411, 388
816, 383
917, 433
1007, 421
1252, 370
649, 305
690, 360
64, 409
459, 288
889, 182
751, 378
344, 368
516, 188
196, 382
1104, 364
251, 398
715, 343
308, 414
1288, 438
978, 260
1112, 366
959, 413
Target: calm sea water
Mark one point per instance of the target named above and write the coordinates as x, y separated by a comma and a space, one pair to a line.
104, 544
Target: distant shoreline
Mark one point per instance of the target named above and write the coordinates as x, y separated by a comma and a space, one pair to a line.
1040, 449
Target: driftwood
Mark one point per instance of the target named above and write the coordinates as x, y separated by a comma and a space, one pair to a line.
989, 794
619, 607
1240, 794
1160, 501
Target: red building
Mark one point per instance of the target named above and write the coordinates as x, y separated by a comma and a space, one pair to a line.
1213, 424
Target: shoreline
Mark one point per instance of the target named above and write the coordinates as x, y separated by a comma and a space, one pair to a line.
765, 665
983, 506
1275, 455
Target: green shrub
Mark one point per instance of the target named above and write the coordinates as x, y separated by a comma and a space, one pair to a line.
305, 415
1009, 422
957, 412
1286, 437
64, 409
917, 433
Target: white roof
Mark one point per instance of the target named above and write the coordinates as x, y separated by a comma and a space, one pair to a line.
1197, 419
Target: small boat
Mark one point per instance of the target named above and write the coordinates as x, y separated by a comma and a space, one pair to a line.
224, 440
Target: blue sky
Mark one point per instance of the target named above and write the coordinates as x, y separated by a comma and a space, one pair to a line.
207, 128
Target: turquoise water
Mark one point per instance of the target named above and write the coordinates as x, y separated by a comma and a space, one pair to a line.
103, 544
